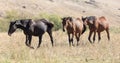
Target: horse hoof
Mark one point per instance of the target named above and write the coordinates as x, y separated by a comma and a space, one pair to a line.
77, 44
32, 47
52, 45
73, 45
91, 42
38, 46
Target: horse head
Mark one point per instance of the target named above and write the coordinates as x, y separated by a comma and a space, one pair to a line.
18, 24
12, 28
84, 19
65, 21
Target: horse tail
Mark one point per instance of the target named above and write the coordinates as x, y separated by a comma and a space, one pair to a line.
84, 28
51, 25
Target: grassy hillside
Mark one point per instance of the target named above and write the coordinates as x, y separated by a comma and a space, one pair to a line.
18, 9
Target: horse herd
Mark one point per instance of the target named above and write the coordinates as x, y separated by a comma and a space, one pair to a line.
74, 27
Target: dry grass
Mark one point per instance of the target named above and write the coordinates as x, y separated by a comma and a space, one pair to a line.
13, 49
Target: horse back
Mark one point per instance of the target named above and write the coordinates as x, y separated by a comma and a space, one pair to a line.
40, 26
46, 22
103, 22
78, 25
78, 22
102, 18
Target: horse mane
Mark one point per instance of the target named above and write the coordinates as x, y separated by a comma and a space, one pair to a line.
92, 18
23, 22
67, 18
70, 18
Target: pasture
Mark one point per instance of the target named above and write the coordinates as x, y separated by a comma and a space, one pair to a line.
14, 50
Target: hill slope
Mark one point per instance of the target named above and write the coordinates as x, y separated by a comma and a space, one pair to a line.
75, 8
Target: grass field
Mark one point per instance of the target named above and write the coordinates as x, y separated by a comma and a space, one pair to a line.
14, 50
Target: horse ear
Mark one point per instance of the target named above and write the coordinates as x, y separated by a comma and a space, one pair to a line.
82, 17
11, 22
70, 18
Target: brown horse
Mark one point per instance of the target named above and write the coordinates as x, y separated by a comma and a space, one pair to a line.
96, 25
74, 27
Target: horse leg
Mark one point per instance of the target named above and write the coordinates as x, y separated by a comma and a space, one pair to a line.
108, 35
77, 37
72, 39
26, 42
90, 33
40, 39
99, 37
94, 36
30, 37
51, 38
69, 39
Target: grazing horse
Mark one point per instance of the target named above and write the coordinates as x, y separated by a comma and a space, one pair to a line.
32, 28
96, 25
74, 27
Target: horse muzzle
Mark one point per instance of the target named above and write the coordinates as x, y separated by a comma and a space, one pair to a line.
9, 34
63, 30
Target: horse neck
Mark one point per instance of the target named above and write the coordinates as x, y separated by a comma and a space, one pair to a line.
23, 28
69, 24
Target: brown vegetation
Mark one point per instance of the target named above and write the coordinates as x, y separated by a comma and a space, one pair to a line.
13, 49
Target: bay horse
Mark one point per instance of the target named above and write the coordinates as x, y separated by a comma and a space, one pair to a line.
32, 28
96, 25
74, 27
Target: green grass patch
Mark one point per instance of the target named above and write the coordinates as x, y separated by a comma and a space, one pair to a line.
16, 15
53, 18
115, 29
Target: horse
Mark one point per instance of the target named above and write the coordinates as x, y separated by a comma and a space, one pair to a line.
74, 27
32, 28
96, 25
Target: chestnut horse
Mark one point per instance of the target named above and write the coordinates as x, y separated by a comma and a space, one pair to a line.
74, 27
96, 25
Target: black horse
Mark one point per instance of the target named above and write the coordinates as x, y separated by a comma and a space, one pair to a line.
32, 28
